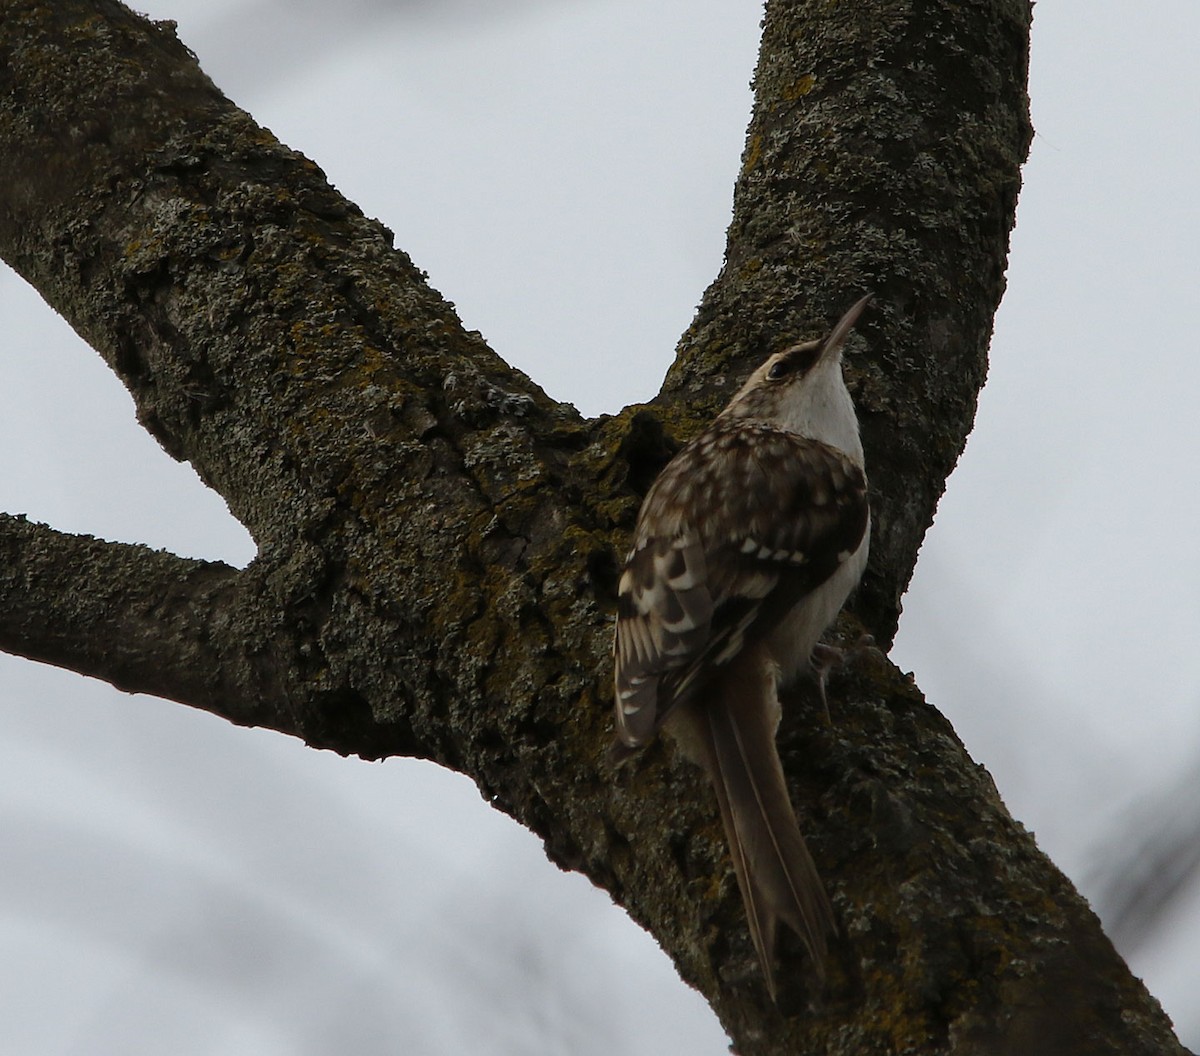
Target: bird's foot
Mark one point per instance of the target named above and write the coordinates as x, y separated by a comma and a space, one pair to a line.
827, 658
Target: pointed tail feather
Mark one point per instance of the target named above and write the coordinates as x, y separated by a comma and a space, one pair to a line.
775, 873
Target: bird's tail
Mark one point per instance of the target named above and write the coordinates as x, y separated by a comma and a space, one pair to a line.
775, 872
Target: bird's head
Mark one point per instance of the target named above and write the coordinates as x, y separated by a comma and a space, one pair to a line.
801, 389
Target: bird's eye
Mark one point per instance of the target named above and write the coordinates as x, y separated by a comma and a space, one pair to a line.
781, 368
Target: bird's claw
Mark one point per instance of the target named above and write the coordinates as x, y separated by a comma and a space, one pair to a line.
826, 658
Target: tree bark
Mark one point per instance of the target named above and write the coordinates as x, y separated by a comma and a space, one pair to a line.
438, 540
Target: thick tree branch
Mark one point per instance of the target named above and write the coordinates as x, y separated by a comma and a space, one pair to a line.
437, 539
883, 155
135, 194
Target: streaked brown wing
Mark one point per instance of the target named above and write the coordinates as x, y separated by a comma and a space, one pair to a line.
777, 514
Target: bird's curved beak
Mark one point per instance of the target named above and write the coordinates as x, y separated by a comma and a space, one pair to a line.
837, 336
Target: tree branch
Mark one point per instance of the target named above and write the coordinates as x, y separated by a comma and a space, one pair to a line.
143, 620
883, 155
437, 538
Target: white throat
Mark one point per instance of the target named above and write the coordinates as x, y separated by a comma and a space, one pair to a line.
820, 408
816, 406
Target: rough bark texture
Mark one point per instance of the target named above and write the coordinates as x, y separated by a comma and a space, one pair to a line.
438, 539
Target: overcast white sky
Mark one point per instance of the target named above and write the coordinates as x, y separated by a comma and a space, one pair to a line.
563, 171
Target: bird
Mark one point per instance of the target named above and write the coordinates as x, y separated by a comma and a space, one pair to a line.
745, 549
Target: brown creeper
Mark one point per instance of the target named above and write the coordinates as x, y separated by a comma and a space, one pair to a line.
746, 547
